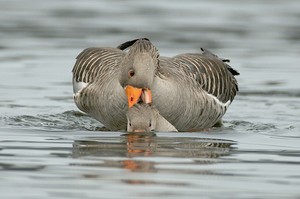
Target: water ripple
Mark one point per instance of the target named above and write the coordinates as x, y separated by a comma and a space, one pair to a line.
271, 93
69, 120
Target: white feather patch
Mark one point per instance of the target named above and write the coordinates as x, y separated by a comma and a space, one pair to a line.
78, 86
218, 101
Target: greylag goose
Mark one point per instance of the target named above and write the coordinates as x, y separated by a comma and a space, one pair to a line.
192, 90
145, 118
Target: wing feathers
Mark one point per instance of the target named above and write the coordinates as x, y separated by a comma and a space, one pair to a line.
94, 61
211, 73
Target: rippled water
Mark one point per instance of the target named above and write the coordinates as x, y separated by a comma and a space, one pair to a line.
48, 149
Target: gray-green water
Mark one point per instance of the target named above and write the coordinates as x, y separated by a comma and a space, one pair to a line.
50, 150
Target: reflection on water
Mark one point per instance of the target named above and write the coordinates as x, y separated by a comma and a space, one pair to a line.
149, 145
170, 164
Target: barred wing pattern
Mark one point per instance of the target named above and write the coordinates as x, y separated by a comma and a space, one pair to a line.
211, 73
95, 61
201, 88
97, 91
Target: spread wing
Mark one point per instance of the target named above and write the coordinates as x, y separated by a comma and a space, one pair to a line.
212, 74
93, 62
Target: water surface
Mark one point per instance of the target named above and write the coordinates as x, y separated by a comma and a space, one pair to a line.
48, 149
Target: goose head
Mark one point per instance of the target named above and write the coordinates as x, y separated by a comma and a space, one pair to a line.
138, 69
146, 118
141, 118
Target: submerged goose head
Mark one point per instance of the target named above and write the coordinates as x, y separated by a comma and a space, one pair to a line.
141, 118
139, 66
146, 118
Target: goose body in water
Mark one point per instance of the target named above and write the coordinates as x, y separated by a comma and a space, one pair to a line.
145, 118
192, 90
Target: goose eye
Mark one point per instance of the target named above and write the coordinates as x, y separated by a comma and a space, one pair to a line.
150, 124
129, 123
131, 73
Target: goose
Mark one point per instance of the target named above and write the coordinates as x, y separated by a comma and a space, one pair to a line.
143, 117
192, 90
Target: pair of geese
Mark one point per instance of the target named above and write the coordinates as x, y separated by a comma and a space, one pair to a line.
132, 87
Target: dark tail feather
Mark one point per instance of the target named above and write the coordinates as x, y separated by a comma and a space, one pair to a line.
233, 71
210, 54
127, 44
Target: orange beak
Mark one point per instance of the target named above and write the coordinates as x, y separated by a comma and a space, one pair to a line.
134, 94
